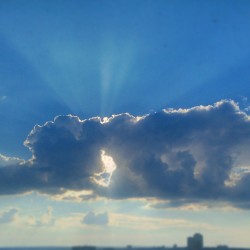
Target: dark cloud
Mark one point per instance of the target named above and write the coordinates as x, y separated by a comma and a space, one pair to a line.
96, 219
199, 153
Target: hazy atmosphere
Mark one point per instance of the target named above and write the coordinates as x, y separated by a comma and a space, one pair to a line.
124, 122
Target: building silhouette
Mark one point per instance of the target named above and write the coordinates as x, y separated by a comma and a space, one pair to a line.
195, 242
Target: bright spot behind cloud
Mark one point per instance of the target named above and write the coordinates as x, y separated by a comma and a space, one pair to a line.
103, 178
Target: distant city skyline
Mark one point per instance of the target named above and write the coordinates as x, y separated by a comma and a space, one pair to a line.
194, 242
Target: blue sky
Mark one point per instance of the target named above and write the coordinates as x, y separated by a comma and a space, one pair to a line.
176, 163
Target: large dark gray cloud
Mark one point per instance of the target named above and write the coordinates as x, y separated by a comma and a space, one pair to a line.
199, 153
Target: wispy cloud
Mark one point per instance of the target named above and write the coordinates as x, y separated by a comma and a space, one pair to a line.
151, 223
8, 161
191, 205
3, 98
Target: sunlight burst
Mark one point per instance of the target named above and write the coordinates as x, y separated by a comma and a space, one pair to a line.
108, 167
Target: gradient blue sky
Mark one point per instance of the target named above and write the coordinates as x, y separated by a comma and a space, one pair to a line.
100, 58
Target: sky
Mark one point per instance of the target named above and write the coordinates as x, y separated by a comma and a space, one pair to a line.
124, 122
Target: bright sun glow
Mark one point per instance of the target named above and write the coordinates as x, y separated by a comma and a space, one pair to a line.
108, 162
104, 178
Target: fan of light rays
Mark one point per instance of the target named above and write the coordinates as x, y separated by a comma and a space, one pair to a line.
115, 63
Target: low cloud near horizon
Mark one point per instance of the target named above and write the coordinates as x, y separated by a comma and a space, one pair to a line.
8, 216
200, 154
92, 218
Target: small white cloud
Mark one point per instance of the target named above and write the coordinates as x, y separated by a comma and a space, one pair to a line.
46, 219
8, 216
96, 219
